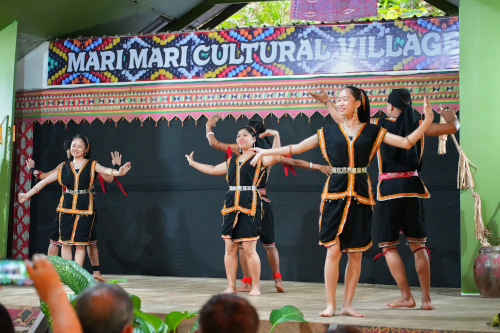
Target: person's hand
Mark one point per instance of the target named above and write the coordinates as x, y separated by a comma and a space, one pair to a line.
326, 169
116, 158
212, 121
30, 164
321, 97
189, 158
448, 115
124, 169
268, 132
22, 197
44, 276
259, 153
428, 112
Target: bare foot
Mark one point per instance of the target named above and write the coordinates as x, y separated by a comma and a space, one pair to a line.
98, 277
228, 290
254, 292
402, 303
350, 312
426, 305
328, 312
279, 286
245, 287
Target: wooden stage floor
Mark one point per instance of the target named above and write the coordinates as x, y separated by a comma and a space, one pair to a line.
454, 312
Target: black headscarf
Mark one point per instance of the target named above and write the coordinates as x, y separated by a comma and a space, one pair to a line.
405, 123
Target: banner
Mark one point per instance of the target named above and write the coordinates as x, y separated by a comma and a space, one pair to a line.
417, 44
179, 100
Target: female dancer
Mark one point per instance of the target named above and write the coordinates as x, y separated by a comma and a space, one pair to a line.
400, 192
76, 206
267, 232
242, 211
345, 220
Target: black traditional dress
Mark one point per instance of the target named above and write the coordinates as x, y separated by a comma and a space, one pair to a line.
242, 206
347, 198
399, 193
76, 206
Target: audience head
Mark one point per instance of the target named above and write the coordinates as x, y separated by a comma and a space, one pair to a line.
227, 313
105, 308
6, 324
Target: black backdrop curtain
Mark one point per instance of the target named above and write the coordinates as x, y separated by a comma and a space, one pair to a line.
169, 224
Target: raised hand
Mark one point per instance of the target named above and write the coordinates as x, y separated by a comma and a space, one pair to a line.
259, 153
30, 164
22, 197
116, 158
124, 169
212, 121
321, 97
44, 276
428, 112
448, 115
190, 157
268, 132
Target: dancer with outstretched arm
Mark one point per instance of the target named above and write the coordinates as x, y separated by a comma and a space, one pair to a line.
347, 199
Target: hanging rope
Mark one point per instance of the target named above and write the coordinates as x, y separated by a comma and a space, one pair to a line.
466, 181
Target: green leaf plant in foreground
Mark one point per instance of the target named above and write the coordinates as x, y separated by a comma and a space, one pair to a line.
495, 322
174, 318
286, 313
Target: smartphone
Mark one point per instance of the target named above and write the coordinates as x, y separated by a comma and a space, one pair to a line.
13, 272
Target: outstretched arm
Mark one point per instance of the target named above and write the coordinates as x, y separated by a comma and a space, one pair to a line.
37, 188
112, 172
212, 140
408, 141
326, 169
323, 98
219, 169
30, 164
451, 127
299, 148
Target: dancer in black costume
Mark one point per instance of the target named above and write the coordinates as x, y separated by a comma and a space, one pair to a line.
242, 211
347, 199
76, 206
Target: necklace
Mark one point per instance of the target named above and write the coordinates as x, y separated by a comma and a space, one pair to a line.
351, 133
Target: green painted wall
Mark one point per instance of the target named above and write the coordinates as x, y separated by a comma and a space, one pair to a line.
480, 122
8, 37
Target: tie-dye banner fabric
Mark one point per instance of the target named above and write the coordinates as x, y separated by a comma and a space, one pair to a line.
332, 10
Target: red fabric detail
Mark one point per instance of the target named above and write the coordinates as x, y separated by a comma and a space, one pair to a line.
395, 175
381, 254
120, 186
286, 167
276, 275
426, 249
228, 153
24, 150
246, 280
102, 183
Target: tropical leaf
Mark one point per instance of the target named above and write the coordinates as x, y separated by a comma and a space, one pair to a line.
72, 274
45, 309
143, 325
286, 313
174, 318
136, 300
157, 324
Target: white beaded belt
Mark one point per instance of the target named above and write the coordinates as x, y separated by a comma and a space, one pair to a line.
73, 192
349, 170
242, 188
